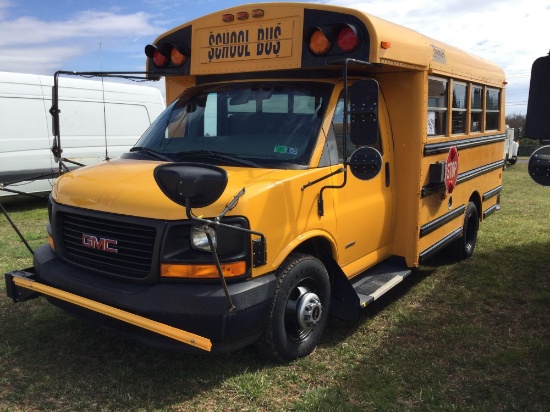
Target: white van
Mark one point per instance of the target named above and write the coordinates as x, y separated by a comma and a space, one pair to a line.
511, 147
93, 116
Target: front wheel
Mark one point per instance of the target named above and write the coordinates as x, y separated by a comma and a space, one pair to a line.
299, 311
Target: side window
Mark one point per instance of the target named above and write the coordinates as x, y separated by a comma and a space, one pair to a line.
476, 109
437, 107
492, 103
459, 108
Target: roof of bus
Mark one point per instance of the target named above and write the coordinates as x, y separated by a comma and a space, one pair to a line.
409, 49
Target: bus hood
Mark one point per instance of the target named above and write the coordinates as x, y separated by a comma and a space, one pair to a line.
128, 187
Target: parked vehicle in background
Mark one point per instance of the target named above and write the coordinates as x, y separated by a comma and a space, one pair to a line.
94, 116
511, 147
537, 121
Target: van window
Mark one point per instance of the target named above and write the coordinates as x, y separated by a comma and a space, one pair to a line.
23, 125
80, 118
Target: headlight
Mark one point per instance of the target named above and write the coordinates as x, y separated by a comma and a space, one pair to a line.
199, 241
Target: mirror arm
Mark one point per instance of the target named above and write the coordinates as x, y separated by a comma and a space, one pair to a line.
232, 307
308, 184
231, 205
346, 112
320, 202
54, 111
216, 223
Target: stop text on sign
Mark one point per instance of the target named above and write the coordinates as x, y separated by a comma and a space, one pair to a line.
451, 169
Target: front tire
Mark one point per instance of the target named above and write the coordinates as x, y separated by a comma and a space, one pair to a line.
300, 309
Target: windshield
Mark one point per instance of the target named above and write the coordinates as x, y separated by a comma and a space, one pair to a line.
262, 124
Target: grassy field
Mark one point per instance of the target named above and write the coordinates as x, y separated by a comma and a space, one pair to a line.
473, 335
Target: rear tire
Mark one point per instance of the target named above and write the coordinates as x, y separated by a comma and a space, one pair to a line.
464, 247
300, 309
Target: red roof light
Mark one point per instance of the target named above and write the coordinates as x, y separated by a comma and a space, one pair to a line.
348, 39
159, 60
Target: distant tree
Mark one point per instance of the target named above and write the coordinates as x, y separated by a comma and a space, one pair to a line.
517, 122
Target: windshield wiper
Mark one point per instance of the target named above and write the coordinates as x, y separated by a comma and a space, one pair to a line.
151, 153
217, 155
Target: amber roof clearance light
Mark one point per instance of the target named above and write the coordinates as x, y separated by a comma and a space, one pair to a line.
319, 43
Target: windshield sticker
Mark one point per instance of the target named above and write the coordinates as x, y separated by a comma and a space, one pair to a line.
286, 150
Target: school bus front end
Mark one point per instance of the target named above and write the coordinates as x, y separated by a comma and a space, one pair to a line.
134, 234
288, 179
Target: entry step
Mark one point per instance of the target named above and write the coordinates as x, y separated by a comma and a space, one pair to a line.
377, 281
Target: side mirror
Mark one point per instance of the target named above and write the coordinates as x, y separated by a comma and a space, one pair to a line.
363, 95
539, 166
194, 184
365, 163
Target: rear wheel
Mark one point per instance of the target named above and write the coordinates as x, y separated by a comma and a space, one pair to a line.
299, 311
464, 247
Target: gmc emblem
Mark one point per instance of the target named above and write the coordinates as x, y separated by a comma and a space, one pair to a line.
106, 245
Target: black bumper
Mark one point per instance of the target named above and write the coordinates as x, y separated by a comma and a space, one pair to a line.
198, 308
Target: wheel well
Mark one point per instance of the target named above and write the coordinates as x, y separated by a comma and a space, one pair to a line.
476, 199
319, 248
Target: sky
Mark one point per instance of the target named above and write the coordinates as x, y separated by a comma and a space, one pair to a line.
43, 36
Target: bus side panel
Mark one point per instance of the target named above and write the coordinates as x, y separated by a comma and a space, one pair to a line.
479, 180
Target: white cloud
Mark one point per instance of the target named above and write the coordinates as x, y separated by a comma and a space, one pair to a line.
33, 45
43, 60
88, 24
511, 33
508, 32
497, 30
4, 4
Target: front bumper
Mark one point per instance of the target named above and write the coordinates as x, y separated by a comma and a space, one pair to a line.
199, 309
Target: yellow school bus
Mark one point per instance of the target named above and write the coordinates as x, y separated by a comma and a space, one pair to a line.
310, 156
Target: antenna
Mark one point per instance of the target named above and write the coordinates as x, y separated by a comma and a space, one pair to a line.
104, 104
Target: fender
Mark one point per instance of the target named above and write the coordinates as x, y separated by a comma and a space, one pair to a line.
317, 233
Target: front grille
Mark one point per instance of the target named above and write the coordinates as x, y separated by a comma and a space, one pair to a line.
131, 256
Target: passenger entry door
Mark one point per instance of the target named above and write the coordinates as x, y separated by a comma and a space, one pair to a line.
363, 208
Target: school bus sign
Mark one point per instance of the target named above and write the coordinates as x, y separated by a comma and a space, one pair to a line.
247, 42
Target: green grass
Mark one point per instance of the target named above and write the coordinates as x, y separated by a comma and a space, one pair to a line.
473, 335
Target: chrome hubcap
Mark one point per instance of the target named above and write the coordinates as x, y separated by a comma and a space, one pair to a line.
309, 310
